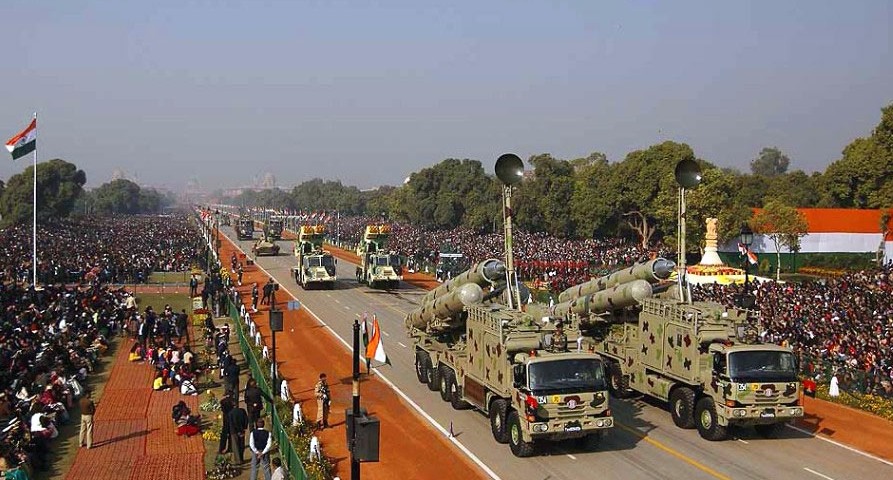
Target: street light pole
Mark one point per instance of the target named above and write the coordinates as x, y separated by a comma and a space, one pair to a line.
746, 239
354, 461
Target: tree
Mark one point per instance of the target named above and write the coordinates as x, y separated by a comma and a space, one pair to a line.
59, 184
594, 197
119, 196
782, 224
795, 188
770, 162
541, 203
647, 189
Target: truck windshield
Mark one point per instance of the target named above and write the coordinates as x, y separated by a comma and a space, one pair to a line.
566, 376
320, 261
381, 261
762, 366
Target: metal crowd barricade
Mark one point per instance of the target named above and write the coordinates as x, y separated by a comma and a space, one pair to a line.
290, 458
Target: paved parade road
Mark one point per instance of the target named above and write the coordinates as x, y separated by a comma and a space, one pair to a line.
645, 443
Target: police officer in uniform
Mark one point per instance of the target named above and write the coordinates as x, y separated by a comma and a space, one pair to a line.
323, 401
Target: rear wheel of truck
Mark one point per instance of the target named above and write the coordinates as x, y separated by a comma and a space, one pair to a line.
445, 375
682, 407
519, 447
422, 360
769, 431
433, 380
618, 383
708, 421
498, 421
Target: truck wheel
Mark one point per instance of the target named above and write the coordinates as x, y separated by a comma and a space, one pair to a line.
455, 393
769, 431
708, 421
498, 421
421, 366
618, 383
519, 447
591, 442
446, 375
433, 375
682, 407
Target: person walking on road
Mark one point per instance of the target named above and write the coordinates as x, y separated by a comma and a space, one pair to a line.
323, 402
238, 424
260, 443
268, 292
88, 409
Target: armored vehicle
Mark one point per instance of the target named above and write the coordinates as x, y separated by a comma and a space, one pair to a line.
705, 359
378, 268
245, 228
273, 228
512, 366
265, 247
316, 267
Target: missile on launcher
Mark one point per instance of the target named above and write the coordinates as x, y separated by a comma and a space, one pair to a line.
436, 314
652, 271
484, 274
619, 296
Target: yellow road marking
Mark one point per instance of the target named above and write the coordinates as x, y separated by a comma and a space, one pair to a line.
700, 466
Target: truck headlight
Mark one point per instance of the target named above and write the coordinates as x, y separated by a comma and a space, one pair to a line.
796, 412
740, 412
608, 422
540, 427
599, 423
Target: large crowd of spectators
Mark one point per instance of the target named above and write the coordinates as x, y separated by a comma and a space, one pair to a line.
839, 326
124, 249
51, 336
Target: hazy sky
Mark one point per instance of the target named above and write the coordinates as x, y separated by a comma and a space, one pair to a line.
369, 91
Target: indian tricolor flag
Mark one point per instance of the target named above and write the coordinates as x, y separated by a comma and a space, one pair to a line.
23, 143
375, 349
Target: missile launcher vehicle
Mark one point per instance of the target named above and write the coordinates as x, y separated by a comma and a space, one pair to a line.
704, 359
512, 366
265, 247
378, 268
316, 267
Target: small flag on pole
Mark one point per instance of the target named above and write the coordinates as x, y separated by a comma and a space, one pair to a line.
24, 142
751, 257
375, 348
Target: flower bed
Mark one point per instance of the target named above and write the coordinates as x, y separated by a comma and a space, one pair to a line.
873, 404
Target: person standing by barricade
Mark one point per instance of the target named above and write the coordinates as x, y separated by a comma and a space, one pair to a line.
260, 441
88, 409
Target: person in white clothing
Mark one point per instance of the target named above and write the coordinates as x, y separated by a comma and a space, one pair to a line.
834, 388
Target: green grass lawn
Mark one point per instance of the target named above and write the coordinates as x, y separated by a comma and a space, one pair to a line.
177, 301
169, 277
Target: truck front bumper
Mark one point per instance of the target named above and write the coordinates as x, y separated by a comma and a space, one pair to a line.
760, 414
569, 428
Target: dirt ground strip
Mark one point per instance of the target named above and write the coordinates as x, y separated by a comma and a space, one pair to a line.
409, 446
856, 428
133, 435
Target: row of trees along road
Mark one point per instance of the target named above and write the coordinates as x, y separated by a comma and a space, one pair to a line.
60, 193
635, 197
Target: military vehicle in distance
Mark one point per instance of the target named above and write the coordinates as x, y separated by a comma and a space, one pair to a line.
273, 228
316, 267
378, 268
512, 366
245, 228
265, 247
705, 359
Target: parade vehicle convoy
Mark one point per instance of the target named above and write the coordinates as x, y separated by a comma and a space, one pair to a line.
245, 228
704, 359
510, 365
316, 267
378, 268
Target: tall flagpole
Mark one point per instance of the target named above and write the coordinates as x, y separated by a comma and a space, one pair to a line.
34, 218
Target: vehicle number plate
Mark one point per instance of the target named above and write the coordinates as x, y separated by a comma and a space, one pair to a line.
768, 414
573, 427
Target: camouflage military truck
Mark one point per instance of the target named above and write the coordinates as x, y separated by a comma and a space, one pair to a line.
512, 366
273, 228
378, 268
706, 360
316, 267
